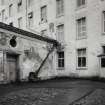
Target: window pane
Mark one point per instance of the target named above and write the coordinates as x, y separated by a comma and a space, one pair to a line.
61, 55
79, 62
81, 57
83, 61
102, 62
61, 59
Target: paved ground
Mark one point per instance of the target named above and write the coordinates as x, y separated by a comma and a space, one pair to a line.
56, 92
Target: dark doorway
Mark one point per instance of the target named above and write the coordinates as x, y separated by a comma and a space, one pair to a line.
12, 66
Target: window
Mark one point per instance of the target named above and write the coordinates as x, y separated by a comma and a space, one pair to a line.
44, 13
61, 60
3, 15
44, 32
103, 62
80, 3
104, 21
103, 49
81, 58
81, 27
30, 19
60, 7
11, 10
60, 33
19, 5
20, 22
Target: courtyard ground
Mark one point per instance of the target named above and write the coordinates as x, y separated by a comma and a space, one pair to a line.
55, 92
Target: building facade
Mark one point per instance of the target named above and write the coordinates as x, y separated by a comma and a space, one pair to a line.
79, 25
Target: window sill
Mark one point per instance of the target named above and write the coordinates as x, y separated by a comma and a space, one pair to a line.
80, 38
80, 7
58, 16
60, 68
103, 33
81, 68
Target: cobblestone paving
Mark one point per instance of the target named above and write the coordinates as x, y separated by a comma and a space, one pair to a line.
32, 96
97, 97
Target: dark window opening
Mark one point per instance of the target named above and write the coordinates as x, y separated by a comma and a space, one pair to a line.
103, 49
102, 62
61, 59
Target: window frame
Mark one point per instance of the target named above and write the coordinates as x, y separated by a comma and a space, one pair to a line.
103, 20
61, 59
43, 15
81, 67
81, 26
59, 8
61, 32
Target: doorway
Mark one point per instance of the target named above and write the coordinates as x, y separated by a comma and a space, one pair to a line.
12, 65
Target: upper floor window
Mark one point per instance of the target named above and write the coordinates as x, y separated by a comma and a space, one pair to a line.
103, 21
20, 22
81, 58
30, 19
19, 5
44, 13
81, 28
3, 15
61, 61
80, 3
59, 7
60, 33
11, 10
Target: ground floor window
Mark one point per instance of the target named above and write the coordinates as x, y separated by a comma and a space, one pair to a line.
81, 58
103, 62
61, 61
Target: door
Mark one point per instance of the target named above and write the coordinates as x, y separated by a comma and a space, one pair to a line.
12, 67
